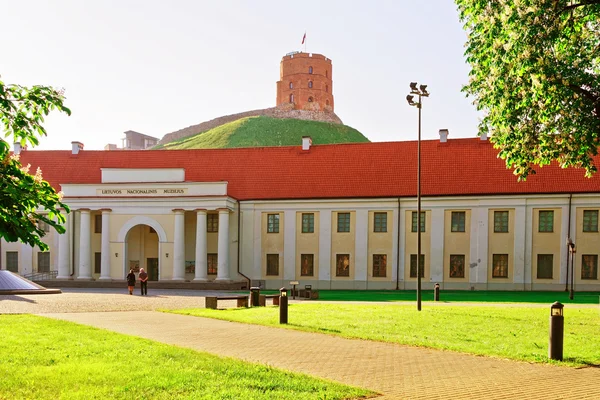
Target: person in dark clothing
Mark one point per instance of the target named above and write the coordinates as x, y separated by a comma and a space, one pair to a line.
143, 281
131, 281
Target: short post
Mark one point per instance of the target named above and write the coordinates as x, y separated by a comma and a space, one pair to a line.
294, 283
283, 306
255, 296
308, 291
436, 292
557, 327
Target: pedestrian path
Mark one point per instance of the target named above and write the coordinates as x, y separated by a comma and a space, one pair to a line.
397, 372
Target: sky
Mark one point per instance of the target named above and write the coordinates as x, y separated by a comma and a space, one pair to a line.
158, 66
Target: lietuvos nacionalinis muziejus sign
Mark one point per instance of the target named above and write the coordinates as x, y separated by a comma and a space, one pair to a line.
141, 192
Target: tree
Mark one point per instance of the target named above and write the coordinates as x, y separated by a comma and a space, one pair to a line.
25, 199
535, 73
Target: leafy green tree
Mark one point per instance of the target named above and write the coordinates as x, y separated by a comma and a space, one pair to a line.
535, 73
25, 199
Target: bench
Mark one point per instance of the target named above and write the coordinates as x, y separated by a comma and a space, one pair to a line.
211, 301
262, 299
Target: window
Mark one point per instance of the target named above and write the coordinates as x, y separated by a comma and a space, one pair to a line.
414, 221
310, 84
307, 264
327, 102
272, 264
310, 70
97, 262
98, 223
212, 261
44, 226
500, 266
380, 222
308, 223
291, 97
212, 222
544, 266
273, 223
500, 221
326, 73
12, 261
326, 88
342, 265
379, 265
413, 265
291, 85
590, 220
589, 266
343, 222
457, 266
546, 221
457, 223
310, 99
190, 267
43, 261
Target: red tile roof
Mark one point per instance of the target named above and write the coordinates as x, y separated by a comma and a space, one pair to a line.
458, 167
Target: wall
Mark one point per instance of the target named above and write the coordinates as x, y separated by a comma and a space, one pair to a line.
456, 243
411, 243
307, 243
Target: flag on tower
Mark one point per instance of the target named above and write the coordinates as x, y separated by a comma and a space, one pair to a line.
303, 38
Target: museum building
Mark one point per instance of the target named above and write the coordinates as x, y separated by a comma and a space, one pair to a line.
340, 216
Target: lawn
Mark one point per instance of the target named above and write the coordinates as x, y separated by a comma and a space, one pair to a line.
41, 358
519, 333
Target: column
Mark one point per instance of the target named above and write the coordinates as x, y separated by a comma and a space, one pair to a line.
85, 265
289, 245
105, 250
63, 251
223, 256
179, 246
201, 251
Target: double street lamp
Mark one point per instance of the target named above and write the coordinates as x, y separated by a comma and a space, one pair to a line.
421, 91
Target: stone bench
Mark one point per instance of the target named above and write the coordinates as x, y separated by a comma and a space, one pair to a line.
262, 299
211, 301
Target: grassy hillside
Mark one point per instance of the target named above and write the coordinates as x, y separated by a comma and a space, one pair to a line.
266, 131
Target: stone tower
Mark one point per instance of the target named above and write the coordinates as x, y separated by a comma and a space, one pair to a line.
305, 82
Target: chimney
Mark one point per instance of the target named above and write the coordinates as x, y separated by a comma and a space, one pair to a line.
17, 148
443, 135
306, 142
483, 137
76, 147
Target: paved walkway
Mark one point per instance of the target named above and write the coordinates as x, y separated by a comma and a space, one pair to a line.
398, 372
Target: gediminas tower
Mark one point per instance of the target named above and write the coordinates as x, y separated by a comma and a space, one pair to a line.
305, 82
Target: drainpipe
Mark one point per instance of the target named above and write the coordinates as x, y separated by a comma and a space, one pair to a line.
240, 244
72, 227
568, 237
398, 250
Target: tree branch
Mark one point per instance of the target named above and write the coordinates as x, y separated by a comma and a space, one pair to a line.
582, 4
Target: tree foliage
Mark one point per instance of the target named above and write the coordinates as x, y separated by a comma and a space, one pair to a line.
25, 199
535, 72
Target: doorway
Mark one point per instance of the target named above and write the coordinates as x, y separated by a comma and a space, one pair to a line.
152, 268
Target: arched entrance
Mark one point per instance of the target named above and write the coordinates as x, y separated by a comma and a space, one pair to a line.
142, 238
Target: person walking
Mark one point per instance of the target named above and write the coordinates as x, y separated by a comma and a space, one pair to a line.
131, 281
143, 281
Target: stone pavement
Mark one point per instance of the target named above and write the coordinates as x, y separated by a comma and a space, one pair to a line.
395, 371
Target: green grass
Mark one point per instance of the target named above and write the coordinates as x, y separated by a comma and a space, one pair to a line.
266, 131
42, 358
519, 333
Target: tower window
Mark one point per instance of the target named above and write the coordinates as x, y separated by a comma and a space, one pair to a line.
310, 70
291, 97
291, 85
310, 99
326, 88
327, 102
310, 84
325, 73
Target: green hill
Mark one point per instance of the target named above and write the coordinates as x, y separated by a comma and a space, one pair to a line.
266, 131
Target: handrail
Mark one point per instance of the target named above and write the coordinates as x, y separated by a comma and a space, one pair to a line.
41, 276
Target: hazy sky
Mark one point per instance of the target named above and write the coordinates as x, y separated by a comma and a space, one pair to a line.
159, 66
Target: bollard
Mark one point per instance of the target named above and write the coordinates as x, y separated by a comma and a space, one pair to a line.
436, 292
254, 296
557, 327
283, 306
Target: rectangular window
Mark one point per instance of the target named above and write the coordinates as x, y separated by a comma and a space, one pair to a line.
308, 223
342, 265
273, 223
190, 267
380, 222
544, 266
212, 261
589, 266
44, 226
500, 221
12, 261
546, 221
413, 265
457, 266
343, 222
414, 221
307, 264
458, 221
500, 266
43, 261
379, 265
273, 264
212, 222
97, 262
98, 223
590, 220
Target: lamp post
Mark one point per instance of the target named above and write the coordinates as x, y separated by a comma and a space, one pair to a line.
572, 251
421, 91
